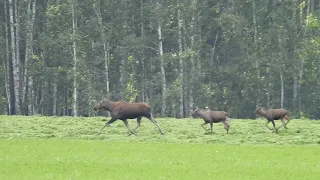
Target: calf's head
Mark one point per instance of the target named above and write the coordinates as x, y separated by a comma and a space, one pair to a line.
195, 113
97, 106
258, 110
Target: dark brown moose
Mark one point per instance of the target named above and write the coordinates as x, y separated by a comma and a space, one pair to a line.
274, 114
123, 110
211, 117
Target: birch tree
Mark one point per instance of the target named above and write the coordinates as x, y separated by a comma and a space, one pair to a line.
97, 10
17, 41
27, 79
163, 76
192, 58
15, 62
75, 61
181, 68
6, 63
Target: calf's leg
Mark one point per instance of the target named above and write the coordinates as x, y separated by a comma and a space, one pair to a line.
274, 126
267, 125
288, 120
203, 125
211, 127
226, 126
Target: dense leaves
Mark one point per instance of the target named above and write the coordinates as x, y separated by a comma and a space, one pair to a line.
233, 55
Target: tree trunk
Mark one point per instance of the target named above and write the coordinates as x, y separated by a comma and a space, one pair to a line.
163, 77
282, 90
122, 73
75, 62
6, 61
142, 53
66, 105
54, 91
30, 96
281, 57
15, 62
29, 48
192, 26
17, 35
299, 83
181, 75
96, 8
255, 46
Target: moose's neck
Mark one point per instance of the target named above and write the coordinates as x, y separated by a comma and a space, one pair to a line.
202, 113
263, 112
108, 105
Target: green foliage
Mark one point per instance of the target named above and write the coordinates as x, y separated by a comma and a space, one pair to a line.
231, 51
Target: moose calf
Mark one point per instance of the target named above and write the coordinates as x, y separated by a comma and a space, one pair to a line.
211, 117
274, 114
124, 110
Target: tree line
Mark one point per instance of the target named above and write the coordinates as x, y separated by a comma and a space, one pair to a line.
59, 57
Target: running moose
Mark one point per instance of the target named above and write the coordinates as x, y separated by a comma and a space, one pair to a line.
124, 110
274, 114
211, 117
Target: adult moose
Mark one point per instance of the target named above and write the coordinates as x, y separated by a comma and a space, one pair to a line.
274, 114
123, 110
211, 117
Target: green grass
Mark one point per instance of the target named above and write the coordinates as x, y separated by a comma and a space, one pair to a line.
69, 148
176, 130
70, 159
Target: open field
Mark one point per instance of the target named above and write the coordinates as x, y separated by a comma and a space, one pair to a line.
69, 148
176, 130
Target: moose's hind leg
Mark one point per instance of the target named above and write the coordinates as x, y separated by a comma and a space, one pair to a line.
226, 126
150, 117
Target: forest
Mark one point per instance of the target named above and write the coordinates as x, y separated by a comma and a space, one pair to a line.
59, 57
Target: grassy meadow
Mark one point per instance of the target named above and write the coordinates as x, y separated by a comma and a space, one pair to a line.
38, 147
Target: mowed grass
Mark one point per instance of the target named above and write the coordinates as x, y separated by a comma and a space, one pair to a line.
39, 147
176, 130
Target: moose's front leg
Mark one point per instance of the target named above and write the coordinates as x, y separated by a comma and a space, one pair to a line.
128, 127
107, 124
267, 125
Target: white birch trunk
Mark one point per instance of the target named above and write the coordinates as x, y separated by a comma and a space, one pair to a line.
255, 42
30, 96
180, 23
54, 94
282, 89
29, 49
142, 53
163, 77
300, 81
28, 55
96, 8
15, 63
6, 60
75, 62
17, 35
192, 26
281, 51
